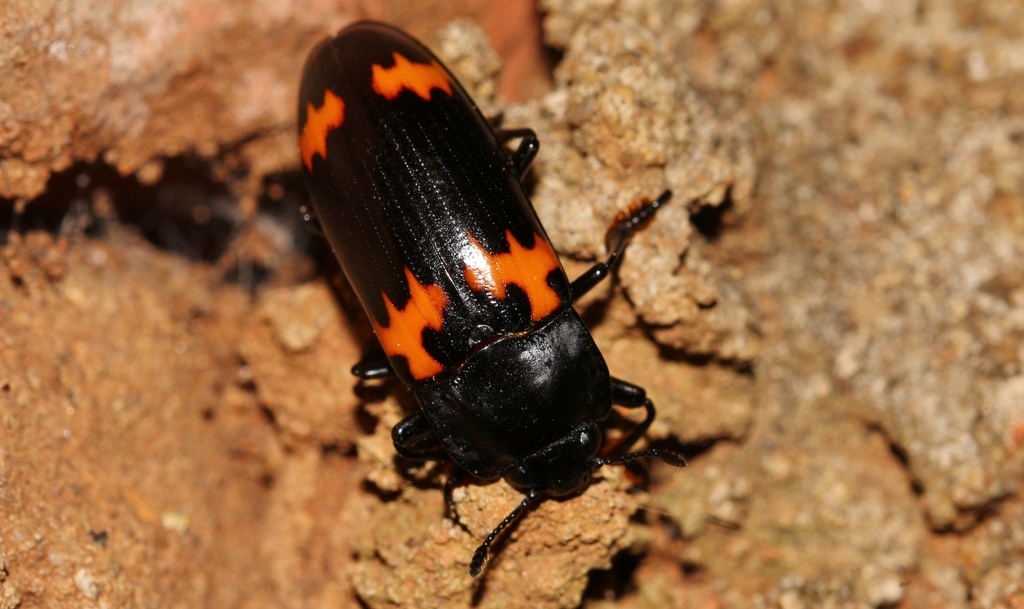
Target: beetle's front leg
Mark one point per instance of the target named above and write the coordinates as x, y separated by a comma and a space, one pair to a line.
631, 396
409, 436
416, 440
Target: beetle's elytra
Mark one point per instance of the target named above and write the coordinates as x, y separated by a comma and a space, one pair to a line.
427, 215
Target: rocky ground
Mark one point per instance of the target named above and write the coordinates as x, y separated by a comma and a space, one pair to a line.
828, 314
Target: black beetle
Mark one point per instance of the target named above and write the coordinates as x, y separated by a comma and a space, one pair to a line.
427, 214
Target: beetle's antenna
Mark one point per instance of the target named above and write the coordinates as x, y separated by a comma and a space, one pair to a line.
667, 456
480, 556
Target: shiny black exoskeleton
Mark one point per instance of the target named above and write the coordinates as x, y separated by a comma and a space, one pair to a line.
427, 214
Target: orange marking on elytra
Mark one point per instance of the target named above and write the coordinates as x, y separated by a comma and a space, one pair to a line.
404, 332
319, 122
526, 268
420, 78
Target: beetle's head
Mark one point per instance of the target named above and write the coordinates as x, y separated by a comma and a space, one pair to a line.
561, 468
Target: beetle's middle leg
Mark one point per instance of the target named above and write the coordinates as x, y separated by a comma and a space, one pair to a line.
626, 223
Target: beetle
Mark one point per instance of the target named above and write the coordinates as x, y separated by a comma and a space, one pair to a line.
427, 214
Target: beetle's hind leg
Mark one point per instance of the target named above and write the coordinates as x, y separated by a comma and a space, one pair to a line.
626, 223
523, 157
416, 440
373, 366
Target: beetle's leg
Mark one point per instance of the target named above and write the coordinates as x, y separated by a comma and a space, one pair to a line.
527, 150
373, 366
626, 223
416, 440
631, 396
